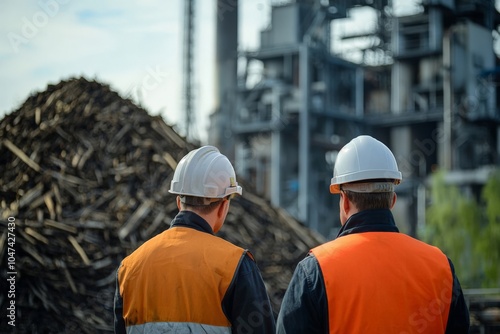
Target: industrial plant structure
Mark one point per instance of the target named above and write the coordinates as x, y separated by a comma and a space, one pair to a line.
427, 87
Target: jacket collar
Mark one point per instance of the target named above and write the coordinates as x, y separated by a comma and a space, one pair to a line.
377, 220
191, 220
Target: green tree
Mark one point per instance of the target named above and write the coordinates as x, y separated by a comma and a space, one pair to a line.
489, 246
467, 230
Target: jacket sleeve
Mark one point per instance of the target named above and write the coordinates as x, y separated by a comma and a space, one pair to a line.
304, 308
246, 303
118, 309
458, 318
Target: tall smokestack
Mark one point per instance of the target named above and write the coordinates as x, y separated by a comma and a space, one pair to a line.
226, 53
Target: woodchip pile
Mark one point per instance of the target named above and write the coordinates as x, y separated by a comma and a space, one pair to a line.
85, 173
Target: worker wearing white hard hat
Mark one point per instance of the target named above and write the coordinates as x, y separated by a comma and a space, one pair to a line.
187, 280
365, 159
205, 178
371, 278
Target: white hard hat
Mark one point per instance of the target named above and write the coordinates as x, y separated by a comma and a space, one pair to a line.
206, 173
365, 158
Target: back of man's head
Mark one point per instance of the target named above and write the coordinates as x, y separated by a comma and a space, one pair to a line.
200, 205
372, 200
203, 179
366, 172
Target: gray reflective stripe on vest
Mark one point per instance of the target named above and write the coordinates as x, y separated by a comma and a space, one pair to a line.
177, 327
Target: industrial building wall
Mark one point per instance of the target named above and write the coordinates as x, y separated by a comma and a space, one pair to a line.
429, 104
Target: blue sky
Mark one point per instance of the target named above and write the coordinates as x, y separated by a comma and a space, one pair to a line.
115, 42
135, 46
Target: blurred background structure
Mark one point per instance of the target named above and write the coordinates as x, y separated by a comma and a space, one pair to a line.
425, 84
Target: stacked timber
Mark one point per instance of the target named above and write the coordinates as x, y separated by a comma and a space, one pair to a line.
84, 177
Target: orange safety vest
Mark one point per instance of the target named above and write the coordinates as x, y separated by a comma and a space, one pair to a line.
385, 282
176, 281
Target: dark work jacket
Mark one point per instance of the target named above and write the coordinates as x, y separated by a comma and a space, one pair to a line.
305, 306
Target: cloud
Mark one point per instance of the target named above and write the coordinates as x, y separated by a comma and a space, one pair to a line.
135, 46
127, 44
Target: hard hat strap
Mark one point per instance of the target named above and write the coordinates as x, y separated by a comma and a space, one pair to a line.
369, 187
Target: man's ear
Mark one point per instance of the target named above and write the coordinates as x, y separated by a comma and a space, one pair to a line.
223, 208
394, 198
344, 202
178, 201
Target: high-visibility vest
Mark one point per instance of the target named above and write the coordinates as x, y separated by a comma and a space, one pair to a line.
176, 282
385, 282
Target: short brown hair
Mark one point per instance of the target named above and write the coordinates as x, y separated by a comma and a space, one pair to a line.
196, 204
368, 201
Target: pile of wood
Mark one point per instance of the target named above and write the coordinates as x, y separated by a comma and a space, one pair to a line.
85, 174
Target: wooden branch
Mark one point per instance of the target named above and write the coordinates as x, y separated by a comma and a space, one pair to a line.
36, 235
60, 226
135, 219
21, 155
79, 250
